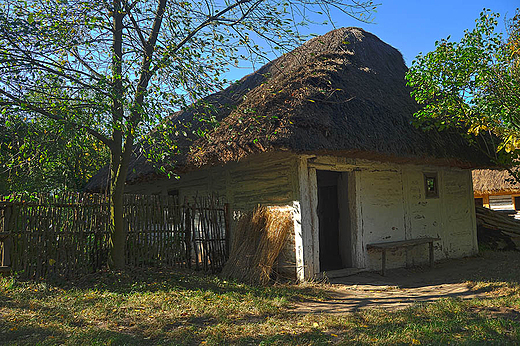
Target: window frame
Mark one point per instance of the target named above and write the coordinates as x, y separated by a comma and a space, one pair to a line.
516, 205
427, 193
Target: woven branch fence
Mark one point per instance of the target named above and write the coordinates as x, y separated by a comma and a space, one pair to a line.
68, 234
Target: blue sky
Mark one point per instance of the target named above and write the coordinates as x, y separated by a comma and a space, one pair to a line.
413, 26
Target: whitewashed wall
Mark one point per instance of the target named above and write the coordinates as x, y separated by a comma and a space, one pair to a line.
262, 179
390, 205
502, 202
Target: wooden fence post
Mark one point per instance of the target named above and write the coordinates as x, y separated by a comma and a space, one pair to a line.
5, 236
227, 234
194, 237
187, 233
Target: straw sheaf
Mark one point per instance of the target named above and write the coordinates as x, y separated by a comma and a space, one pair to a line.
488, 181
257, 241
342, 93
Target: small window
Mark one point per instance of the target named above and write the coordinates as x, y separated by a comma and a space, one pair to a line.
431, 185
479, 202
517, 202
174, 194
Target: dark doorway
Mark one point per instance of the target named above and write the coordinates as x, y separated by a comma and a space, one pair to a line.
328, 215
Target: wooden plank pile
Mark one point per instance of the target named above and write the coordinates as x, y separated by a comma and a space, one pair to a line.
497, 221
497, 230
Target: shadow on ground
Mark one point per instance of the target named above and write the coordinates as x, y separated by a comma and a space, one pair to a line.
405, 286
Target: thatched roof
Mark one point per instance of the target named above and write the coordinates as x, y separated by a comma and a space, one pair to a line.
488, 181
342, 93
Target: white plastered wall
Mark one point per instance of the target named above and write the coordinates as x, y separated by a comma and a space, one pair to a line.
389, 205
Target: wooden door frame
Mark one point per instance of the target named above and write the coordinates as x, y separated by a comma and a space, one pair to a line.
306, 222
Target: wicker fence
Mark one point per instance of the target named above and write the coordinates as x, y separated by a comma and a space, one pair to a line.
66, 235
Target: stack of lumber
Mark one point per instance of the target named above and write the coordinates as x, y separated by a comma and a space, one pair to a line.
494, 220
496, 230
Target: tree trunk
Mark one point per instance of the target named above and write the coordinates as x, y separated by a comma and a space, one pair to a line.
118, 173
117, 230
116, 259
117, 241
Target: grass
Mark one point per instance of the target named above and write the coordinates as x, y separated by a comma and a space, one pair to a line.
184, 308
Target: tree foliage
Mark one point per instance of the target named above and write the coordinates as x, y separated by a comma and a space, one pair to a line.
473, 84
115, 68
38, 155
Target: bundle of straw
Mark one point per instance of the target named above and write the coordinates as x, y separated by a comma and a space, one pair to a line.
257, 241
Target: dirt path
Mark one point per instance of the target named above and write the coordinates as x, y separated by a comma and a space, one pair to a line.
402, 287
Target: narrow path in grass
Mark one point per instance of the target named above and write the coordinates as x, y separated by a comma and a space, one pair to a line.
462, 278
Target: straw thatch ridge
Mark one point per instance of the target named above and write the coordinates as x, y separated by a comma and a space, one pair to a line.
488, 181
342, 93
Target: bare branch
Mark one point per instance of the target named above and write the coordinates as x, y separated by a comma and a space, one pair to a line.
128, 10
147, 61
75, 53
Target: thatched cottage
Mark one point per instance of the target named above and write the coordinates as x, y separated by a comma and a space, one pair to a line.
326, 130
496, 189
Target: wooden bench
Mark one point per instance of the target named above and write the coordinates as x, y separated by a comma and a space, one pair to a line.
400, 244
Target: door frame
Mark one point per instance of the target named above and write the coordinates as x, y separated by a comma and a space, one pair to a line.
306, 221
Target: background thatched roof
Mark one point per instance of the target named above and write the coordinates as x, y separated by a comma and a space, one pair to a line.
488, 181
342, 93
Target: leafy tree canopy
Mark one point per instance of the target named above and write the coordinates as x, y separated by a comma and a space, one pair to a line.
38, 155
473, 84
